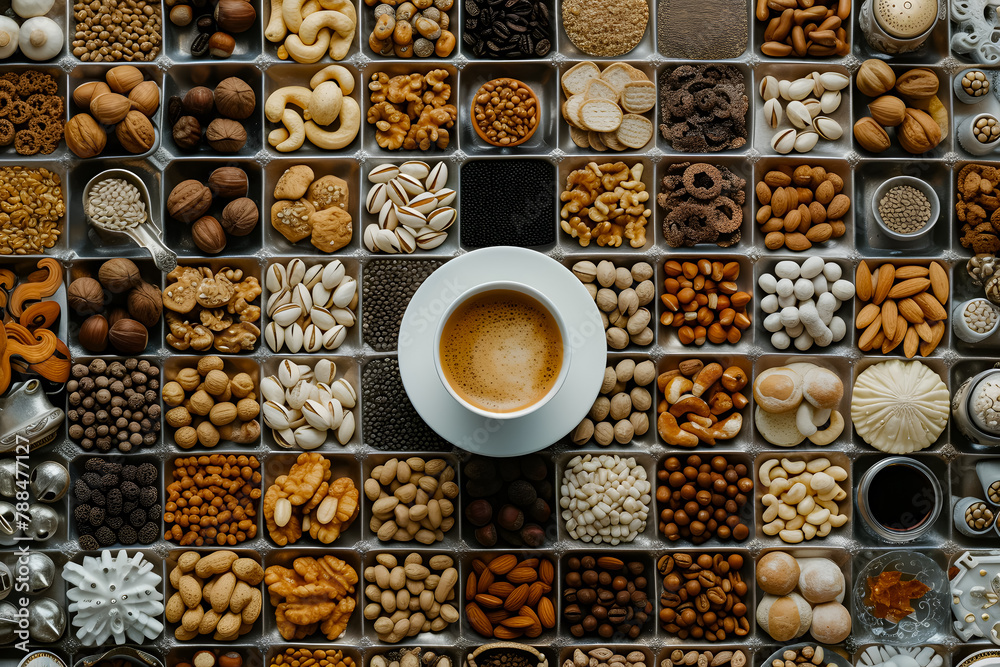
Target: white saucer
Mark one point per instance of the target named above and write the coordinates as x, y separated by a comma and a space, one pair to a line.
502, 437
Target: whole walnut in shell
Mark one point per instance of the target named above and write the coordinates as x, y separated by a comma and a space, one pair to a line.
186, 132
145, 304
119, 275
225, 135
234, 98
85, 296
240, 216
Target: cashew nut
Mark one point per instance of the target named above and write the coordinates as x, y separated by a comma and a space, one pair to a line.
764, 473
672, 434
312, 24
343, 6
838, 520
677, 386
337, 73
786, 512
291, 14
791, 536
821, 482
706, 377
831, 432
796, 523
274, 107
275, 137
275, 30
795, 494
809, 531
819, 517
340, 44
818, 465
311, 7
307, 53
806, 507
296, 131
774, 527
325, 104
350, 123
793, 467
778, 486
838, 473
804, 419
770, 501
825, 529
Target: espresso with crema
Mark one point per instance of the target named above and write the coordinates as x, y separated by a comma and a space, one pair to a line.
501, 351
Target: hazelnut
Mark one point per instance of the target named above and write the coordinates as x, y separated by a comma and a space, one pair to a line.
93, 334
235, 16
229, 182
204, 659
119, 275
85, 296
186, 132
145, 304
128, 336
199, 101
479, 512
240, 216
234, 98
181, 15
208, 235
221, 44
231, 659
226, 135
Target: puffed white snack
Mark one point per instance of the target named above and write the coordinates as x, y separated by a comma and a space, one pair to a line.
808, 301
604, 499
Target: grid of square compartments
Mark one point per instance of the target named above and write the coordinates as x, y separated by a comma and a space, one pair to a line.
254, 60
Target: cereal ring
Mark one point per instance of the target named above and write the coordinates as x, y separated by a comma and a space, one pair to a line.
730, 216
46, 84
54, 106
6, 132
696, 174
50, 146
8, 87
19, 112
37, 102
12, 77
26, 142
6, 104
729, 240
41, 125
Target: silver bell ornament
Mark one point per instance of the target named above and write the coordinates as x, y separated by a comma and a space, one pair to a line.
8, 524
41, 572
49, 481
8, 622
43, 522
8, 478
46, 620
6, 581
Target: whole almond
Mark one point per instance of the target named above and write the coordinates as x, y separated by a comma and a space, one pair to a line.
866, 342
863, 281
763, 193
886, 274
820, 233
777, 179
909, 309
797, 242
937, 333
939, 281
911, 271
838, 206
930, 307
867, 315
889, 315
911, 343
907, 287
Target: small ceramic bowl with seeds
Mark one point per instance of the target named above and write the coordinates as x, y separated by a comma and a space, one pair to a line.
980, 135
972, 86
974, 517
905, 208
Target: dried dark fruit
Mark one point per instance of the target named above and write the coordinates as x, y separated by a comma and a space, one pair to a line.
206, 24
175, 110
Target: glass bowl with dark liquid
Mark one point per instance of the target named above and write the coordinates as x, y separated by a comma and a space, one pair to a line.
899, 499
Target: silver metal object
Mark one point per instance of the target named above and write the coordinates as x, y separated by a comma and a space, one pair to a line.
27, 416
46, 620
129, 654
42, 572
143, 234
8, 478
8, 523
49, 481
6, 581
43, 522
8, 622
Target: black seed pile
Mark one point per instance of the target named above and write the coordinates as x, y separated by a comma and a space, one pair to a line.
508, 502
508, 202
507, 28
116, 503
114, 405
387, 285
390, 422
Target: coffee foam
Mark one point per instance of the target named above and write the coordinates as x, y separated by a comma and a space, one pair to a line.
501, 351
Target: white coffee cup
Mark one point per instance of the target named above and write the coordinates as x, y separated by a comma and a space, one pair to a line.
532, 293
